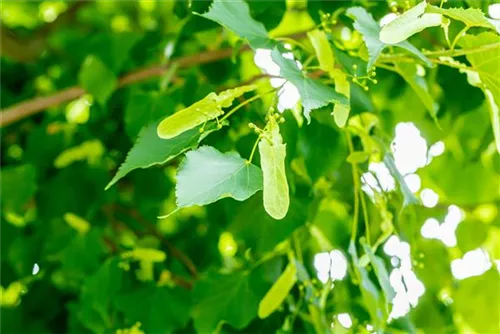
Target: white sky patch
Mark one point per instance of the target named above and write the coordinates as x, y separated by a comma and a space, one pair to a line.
413, 181
429, 198
446, 232
377, 178
288, 95
474, 263
409, 148
388, 19
436, 149
494, 11
330, 265
345, 320
35, 270
407, 286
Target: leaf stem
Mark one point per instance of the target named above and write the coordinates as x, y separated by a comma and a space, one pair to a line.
253, 149
355, 180
244, 103
458, 36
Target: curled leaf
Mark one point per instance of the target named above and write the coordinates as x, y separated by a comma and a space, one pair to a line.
408, 24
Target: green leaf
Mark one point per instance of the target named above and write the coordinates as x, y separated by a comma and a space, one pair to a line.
235, 16
97, 295
409, 197
486, 65
260, 231
207, 175
97, 79
419, 86
143, 108
408, 24
471, 17
199, 113
322, 49
278, 292
224, 298
380, 270
161, 310
272, 160
369, 291
477, 300
369, 28
18, 185
150, 150
313, 93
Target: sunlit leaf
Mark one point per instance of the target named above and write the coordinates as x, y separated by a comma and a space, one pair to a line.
369, 28
272, 159
235, 15
278, 292
207, 175
91, 151
471, 17
408, 24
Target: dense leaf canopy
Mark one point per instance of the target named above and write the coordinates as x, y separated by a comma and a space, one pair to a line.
250, 166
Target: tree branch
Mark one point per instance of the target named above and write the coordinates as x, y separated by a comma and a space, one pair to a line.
30, 107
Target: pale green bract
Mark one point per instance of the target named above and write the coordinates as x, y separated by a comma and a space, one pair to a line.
278, 292
235, 16
322, 49
471, 17
207, 175
408, 24
313, 93
199, 113
369, 28
272, 159
342, 86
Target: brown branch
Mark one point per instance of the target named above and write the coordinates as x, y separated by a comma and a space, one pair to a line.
30, 107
